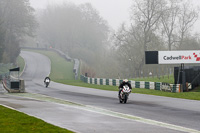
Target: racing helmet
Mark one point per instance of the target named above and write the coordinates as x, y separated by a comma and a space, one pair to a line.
125, 80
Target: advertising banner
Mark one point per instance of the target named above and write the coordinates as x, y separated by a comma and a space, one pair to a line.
178, 57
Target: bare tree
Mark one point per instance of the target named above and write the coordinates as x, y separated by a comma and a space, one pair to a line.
187, 17
18, 21
79, 31
146, 17
146, 14
169, 22
2, 41
155, 24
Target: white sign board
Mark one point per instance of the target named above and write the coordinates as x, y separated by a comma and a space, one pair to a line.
178, 57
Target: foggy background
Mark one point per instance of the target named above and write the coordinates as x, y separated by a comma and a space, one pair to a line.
114, 11
109, 37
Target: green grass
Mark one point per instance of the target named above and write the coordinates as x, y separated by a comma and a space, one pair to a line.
66, 78
12, 121
196, 89
60, 68
183, 95
165, 79
20, 63
5, 68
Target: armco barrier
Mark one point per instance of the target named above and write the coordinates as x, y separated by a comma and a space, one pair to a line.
114, 82
166, 87
157, 86
175, 88
151, 85
147, 85
142, 84
135, 84
101, 81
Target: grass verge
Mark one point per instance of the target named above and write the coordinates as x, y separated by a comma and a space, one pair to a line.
17, 122
60, 68
5, 68
165, 79
20, 63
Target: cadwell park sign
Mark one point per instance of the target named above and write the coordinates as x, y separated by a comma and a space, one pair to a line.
172, 57
179, 58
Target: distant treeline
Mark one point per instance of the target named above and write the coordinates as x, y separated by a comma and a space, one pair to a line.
80, 32
16, 21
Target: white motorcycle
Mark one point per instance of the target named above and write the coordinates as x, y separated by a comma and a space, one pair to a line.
123, 97
47, 82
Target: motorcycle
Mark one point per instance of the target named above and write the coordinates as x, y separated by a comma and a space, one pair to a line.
123, 97
47, 82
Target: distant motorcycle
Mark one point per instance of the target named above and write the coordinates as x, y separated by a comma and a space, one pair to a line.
123, 97
47, 84
47, 81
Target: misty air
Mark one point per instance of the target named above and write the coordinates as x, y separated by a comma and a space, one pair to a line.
93, 66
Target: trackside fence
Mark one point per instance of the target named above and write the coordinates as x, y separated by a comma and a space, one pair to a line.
135, 84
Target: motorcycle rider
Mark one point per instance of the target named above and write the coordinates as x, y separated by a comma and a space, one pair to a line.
125, 82
47, 80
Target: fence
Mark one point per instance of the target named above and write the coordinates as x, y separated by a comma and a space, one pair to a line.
135, 84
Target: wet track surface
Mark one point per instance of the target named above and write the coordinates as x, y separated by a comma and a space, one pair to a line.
95, 110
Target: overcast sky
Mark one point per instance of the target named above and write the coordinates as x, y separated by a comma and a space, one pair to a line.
114, 11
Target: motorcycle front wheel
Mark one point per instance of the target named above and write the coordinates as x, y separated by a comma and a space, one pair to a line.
47, 84
125, 98
120, 101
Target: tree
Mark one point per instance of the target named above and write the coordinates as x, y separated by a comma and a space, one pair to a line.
190, 43
128, 42
76, 30
2, 41
18, 20
187, 17
142, 35
155, 25
146, 15
169, 22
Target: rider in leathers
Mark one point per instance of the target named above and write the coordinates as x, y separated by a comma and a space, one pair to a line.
125, 82
47, 79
